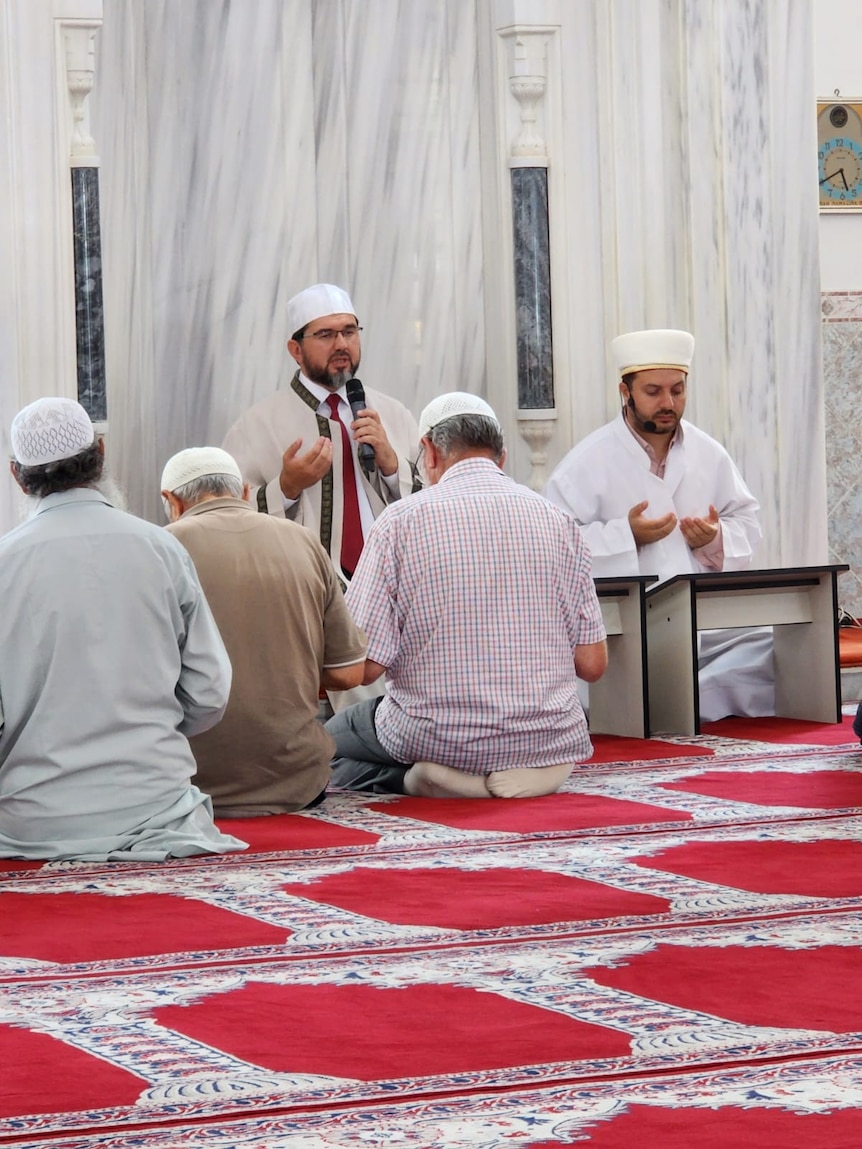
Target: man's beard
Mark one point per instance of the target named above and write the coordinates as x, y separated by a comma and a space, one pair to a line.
326, 378
649, 426
340, 378
113, 492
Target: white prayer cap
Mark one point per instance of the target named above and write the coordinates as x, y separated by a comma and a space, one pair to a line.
447, 406
49, 430
195, 462
314, 303
650, 350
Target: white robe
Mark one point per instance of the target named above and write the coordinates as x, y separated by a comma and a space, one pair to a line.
606, 474
259, 438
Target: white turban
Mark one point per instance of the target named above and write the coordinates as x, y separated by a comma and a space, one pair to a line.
649, 350
49, 430
314, 303
450, 405
195, 462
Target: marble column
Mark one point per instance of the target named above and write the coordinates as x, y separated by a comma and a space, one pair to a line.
89, 313
528, 162
532, 288
79, 44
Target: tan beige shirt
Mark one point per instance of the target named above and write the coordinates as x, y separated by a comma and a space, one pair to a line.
282, 616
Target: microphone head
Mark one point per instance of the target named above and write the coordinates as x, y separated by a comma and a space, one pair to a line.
355, 392
647, 424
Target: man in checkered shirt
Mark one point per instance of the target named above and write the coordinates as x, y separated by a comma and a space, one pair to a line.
477, 600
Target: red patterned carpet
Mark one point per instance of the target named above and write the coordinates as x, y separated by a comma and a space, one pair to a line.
666, 955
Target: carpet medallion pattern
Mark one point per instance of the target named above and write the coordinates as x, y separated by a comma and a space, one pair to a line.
666, 954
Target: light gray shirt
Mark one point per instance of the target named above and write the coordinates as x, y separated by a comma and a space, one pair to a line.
109, 658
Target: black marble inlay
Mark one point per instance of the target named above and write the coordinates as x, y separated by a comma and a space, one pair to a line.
532, 288
89, 311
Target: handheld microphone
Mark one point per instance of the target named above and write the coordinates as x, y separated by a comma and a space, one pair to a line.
356, 398
647, 424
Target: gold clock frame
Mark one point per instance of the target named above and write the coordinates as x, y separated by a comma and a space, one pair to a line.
827, 132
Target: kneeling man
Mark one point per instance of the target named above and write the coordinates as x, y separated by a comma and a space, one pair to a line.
281, 613
109, 660
477, 600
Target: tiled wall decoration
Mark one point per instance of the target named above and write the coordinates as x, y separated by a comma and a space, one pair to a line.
842, 378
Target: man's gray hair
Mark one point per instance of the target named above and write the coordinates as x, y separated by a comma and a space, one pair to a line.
468, 433
212, 486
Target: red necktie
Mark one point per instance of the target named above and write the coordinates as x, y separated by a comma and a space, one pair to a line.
351, 525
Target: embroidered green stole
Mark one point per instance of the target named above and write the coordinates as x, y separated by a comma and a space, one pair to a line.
326, 487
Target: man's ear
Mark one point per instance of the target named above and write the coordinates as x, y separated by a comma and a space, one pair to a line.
295, 349
246, 492
13, 471
431, 460
174, 506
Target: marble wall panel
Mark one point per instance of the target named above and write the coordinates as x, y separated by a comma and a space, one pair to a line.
797, 383
757, 384
710, 223
249, 150
842, 370
199, 218
404, 216
37, 294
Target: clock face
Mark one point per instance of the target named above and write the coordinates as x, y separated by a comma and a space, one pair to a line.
839, 143
840, 171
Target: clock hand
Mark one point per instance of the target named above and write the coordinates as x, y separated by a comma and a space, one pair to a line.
844, 179
832, 175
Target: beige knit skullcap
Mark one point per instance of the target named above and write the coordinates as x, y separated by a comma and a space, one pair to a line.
195, 462
452, 404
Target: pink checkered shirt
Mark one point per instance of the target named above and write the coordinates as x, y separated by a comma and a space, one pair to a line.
474, 594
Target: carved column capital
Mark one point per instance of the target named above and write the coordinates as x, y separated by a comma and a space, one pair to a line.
537, 428
528, 67
79, 55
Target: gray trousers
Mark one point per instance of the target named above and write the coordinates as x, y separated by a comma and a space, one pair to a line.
360, 762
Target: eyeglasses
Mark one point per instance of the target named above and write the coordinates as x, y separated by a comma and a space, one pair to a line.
328, 336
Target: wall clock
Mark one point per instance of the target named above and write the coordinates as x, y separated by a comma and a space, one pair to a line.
839, 153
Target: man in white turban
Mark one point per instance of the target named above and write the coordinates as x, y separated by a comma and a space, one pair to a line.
306, 453
281, 612
655, 495
109, 659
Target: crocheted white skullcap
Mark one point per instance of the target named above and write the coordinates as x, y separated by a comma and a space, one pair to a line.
195, 462
49, 430
449, 405
648, 350
315, 302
